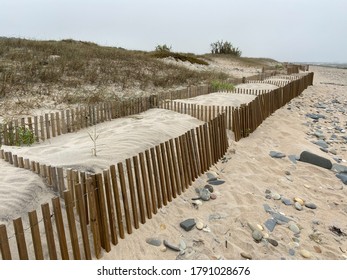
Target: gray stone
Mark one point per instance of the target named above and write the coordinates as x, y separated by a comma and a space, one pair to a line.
298, 206
287, 201
188, 224
310, 205
267, 208
257, 235
339, 168
246, 256
211, 176
293, 158
294, 228
270, 224
291, 252
153, 241
275, 154
315, 160
342, 177
172, 247
209, 187
315, 116
276, 196
280, 218
214, 217
273, 242
205, 194
325, 150
322, 144
217, 182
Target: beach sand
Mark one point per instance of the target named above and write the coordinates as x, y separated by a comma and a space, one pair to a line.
252, 179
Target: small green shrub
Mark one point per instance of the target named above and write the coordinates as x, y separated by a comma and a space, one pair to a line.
25, 136
222, 86
221, 47
163, 48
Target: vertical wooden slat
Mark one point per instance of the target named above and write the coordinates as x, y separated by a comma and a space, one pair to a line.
83, 221
166, 172
139, 189
60, 228
57, 120
53, 124
151, 182
156, 177
125, 196
94, 223
47, 125
42, 128
116, 197
35, 234
161, 175
170, 169
145, 186
4, 244
181, 171
49, 231
110, 207
105, 234
36, 129
175, 167
132, 193
72, 224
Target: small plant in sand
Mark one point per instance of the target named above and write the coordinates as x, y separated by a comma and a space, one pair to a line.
25, 136
222, 86
94, 137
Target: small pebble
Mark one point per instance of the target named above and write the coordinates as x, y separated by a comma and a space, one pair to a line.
213, 196
272, 242
276, 196
257, 235
310, 205
199, 225
306, 254
297, 206
317, 249
299, 200
153, 241
172, 247
246, 256
293, 227
209, 187
291, 252
287, 201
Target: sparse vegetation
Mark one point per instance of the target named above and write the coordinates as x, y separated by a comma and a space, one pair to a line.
221, 47
25, 136
222, 86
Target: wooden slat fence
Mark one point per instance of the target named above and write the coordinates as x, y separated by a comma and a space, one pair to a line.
94, 210
245, 119
53, 124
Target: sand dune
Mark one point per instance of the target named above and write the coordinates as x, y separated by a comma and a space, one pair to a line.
252, 178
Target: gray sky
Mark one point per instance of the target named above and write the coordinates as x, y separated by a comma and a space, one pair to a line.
286, 30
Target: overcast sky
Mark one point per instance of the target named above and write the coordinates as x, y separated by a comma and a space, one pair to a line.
286, 30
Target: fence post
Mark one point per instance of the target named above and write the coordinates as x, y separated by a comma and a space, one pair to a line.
117, 200
35, 234
125, 197
60, 228
49, 231
145, 186
4, 245
132, 193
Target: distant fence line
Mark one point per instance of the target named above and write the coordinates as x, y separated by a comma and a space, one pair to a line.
53, 124
244, 119
101, 208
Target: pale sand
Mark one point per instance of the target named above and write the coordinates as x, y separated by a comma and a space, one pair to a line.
248, 173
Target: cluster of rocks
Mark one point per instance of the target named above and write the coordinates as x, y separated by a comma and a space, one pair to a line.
308, 157
204, 194
260, 233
